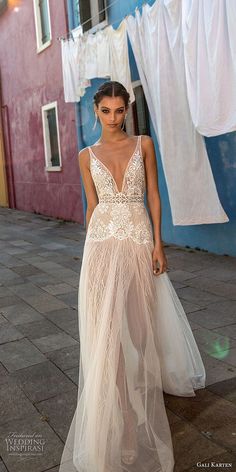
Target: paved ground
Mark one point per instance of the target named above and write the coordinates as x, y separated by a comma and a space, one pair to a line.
40, 260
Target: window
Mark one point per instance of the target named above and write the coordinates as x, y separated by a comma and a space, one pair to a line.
137, 121
3, 6
42, 24
51, 137
92, 10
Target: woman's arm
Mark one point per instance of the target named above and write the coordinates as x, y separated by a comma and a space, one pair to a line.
154, 203
89, 187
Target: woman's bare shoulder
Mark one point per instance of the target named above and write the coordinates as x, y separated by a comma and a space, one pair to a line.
146, 139
84, 151
83, 157
146, 143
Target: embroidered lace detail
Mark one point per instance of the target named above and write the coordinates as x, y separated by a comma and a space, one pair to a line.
121, 198
120, 214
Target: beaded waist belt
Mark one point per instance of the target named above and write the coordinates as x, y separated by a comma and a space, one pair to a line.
121, 198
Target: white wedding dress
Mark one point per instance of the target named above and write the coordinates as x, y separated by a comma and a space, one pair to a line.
135, 339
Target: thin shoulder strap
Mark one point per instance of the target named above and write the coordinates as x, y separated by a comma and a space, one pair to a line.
90, 151
90, 154
140, 144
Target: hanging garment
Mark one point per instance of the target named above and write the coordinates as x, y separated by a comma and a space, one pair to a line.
96, 55
119, 59
90, 58
135, 339
103, 53
209, 38
156, 40
81, 49
74, 88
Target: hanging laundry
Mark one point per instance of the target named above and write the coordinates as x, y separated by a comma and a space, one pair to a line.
156, 40
96, 55
119, 59
91, 56
103, 53
81, 47
209, 38
73, 87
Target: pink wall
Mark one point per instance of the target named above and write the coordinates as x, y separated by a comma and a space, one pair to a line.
30, 80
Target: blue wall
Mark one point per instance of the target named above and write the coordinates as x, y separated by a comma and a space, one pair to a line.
217, 238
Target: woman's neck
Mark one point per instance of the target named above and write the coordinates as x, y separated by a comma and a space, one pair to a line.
107, 137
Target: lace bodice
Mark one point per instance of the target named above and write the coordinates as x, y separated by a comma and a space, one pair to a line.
120, 214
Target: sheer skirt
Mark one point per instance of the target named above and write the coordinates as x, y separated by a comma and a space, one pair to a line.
135, 342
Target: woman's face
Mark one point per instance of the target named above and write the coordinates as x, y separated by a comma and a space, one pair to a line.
111, 111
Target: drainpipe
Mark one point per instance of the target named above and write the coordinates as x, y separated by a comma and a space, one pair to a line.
66, 16
9, 164
81, 145
7, 149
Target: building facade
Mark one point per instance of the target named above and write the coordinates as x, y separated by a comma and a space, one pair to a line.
217, 238
39, 170
40, 134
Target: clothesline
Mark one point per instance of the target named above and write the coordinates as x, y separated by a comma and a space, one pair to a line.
70, 33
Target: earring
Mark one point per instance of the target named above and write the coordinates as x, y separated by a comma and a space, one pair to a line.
123, 124
96, 120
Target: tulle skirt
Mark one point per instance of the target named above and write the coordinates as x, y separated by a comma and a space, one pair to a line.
135, 343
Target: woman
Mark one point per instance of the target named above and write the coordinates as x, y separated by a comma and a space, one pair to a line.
135, 339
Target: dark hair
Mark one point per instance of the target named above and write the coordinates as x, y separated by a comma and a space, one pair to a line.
111, 89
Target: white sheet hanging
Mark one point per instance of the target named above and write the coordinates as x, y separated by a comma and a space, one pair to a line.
209, 37
74, 88
156, 39
103, 54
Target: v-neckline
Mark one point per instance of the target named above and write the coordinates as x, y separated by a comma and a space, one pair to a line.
126, 169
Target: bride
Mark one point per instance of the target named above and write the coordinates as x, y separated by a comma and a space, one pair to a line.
135, 339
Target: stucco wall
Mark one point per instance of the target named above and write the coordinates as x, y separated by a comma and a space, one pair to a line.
30, 80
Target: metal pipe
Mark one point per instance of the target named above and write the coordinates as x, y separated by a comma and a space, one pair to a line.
8, 154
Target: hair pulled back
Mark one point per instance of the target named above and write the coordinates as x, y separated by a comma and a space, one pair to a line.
111, 89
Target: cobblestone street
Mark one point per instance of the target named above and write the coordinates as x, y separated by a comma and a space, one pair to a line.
40, 260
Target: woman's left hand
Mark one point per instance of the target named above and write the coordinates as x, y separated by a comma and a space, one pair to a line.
158, 256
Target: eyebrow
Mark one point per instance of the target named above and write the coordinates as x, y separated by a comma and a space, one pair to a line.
109, 108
